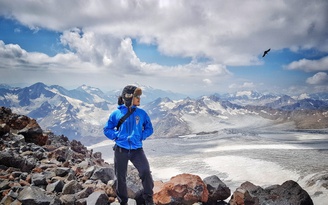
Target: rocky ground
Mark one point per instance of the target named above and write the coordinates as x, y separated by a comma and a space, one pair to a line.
38, 167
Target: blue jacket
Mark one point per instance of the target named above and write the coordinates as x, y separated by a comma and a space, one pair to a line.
136, 128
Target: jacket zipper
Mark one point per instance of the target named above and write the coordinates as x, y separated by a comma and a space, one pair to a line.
130, 130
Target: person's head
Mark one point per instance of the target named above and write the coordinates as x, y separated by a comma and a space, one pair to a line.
130, 96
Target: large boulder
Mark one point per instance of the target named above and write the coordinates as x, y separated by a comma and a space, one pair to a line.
181, 189
4, 129
287, 193
13, 159
23, 125
217, 190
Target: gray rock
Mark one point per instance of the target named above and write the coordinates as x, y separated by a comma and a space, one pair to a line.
62, 171
97, 198
28, 164
55, 186
16, 174
81, 202
287, 193
49, 174
104, 174
130, 202
34, 196
133, 183
38, 179
24, 175
6, 200
13, 194
10, 159
4, 184
89, 171
84, 193
67, 199
72, 187
217, 190
290, 192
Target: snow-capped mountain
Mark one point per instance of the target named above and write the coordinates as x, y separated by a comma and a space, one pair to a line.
77, 113
82, 112
249, 98
210, 114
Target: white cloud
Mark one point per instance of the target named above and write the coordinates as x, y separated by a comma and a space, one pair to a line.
318, 78
17, 30
13, 56
245, 85
228, 33
248, 85
309, 65
215, 69
118, 65
207, 81
117, 55
89, 46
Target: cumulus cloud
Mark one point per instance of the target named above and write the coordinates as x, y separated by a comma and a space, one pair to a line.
318, 79
215, 29
104, 63
118, 55
97, 35
309, 65
13, 56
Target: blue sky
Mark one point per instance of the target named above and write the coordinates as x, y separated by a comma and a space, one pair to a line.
191, 47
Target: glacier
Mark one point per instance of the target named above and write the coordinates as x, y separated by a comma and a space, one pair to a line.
235, 156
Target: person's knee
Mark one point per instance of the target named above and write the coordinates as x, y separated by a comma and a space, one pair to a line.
145, 173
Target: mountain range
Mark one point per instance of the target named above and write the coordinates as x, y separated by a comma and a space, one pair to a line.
81, 113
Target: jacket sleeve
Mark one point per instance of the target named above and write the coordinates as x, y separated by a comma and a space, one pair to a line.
110, 128
148, 128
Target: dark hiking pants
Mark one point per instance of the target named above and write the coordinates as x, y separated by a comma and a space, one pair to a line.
139, 160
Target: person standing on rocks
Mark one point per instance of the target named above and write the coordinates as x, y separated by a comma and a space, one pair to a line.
128, 126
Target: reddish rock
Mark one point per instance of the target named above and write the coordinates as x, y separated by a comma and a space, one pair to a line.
158, 186
60, 152
37, 170
242, 197
78, 147
33, 133
181, 189
23, 125
24, 183
49, 148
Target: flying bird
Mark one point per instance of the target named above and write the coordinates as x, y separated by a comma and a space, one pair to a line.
266, 52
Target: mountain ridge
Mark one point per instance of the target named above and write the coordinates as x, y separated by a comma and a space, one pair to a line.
81, 113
